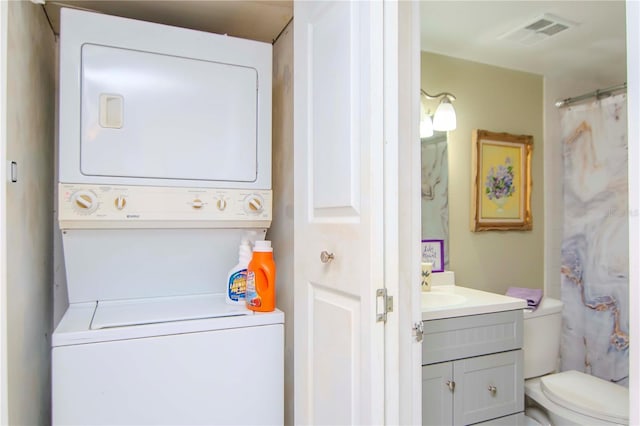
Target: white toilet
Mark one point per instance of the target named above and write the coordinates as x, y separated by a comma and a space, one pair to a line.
570, 397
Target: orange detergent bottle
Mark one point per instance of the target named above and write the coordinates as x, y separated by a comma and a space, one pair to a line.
261, 279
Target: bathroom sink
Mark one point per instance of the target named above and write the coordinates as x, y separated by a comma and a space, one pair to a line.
436, 299
448, 301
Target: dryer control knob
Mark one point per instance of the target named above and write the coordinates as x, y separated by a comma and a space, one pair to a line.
253, 204
221, 204
197, 204
84, 202
120, 202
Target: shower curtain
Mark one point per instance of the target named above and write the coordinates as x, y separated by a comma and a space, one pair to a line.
594, 271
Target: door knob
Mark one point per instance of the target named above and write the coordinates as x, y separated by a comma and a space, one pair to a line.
326, 257
493, 390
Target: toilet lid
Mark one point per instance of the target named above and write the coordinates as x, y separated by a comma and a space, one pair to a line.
588, 395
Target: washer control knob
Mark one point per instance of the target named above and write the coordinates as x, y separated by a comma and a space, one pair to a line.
120, 202
221, 204
253, 204
84, 202
197, 203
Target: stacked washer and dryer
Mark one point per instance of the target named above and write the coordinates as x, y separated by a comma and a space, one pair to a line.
164, 167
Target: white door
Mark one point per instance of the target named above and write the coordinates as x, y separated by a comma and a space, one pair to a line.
338, 134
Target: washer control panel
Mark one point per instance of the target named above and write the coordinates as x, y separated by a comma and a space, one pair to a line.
101, 206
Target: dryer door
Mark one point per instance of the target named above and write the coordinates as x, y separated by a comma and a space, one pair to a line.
151, 115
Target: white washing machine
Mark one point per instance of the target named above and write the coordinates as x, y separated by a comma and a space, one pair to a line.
148, 337
183, 360
164, 166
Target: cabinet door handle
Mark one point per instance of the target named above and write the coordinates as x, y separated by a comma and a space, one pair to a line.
451, 385
493, 390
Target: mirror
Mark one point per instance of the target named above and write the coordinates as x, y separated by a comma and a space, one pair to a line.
435, 190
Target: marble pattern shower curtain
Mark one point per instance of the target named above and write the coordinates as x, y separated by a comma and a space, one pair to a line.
594, 272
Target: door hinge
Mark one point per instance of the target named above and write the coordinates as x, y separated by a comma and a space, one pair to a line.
418, 331
384, 304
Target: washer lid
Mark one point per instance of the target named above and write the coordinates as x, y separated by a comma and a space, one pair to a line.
588, 395
122, 313
85, 323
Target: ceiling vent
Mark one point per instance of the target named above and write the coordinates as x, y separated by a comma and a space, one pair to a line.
538, 30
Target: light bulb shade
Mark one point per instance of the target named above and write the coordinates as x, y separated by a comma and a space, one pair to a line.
445, 117
426, 127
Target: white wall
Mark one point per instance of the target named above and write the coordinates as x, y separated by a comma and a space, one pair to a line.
30, 129
555, 89
281, 231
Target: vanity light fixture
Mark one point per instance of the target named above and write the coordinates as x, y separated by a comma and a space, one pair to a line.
444, 118
426, 125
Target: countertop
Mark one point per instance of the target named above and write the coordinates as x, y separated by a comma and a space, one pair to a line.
470, 302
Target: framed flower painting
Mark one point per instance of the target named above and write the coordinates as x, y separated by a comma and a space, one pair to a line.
501, 181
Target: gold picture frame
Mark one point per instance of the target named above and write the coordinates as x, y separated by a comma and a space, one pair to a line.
501, 181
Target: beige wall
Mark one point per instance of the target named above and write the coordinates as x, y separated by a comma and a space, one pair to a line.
30, 141
498, 100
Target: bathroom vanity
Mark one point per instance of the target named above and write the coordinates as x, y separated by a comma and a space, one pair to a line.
472, 359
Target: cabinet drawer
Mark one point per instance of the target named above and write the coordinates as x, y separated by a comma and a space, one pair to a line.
488, 387
455, 338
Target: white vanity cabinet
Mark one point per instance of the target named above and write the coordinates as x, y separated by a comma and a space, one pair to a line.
472, 370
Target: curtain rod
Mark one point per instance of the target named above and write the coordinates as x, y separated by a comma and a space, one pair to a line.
595, 94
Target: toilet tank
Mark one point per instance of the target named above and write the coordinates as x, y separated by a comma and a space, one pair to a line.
542, 338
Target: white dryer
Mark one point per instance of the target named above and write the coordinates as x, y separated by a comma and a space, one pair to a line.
149, 104
164, 166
